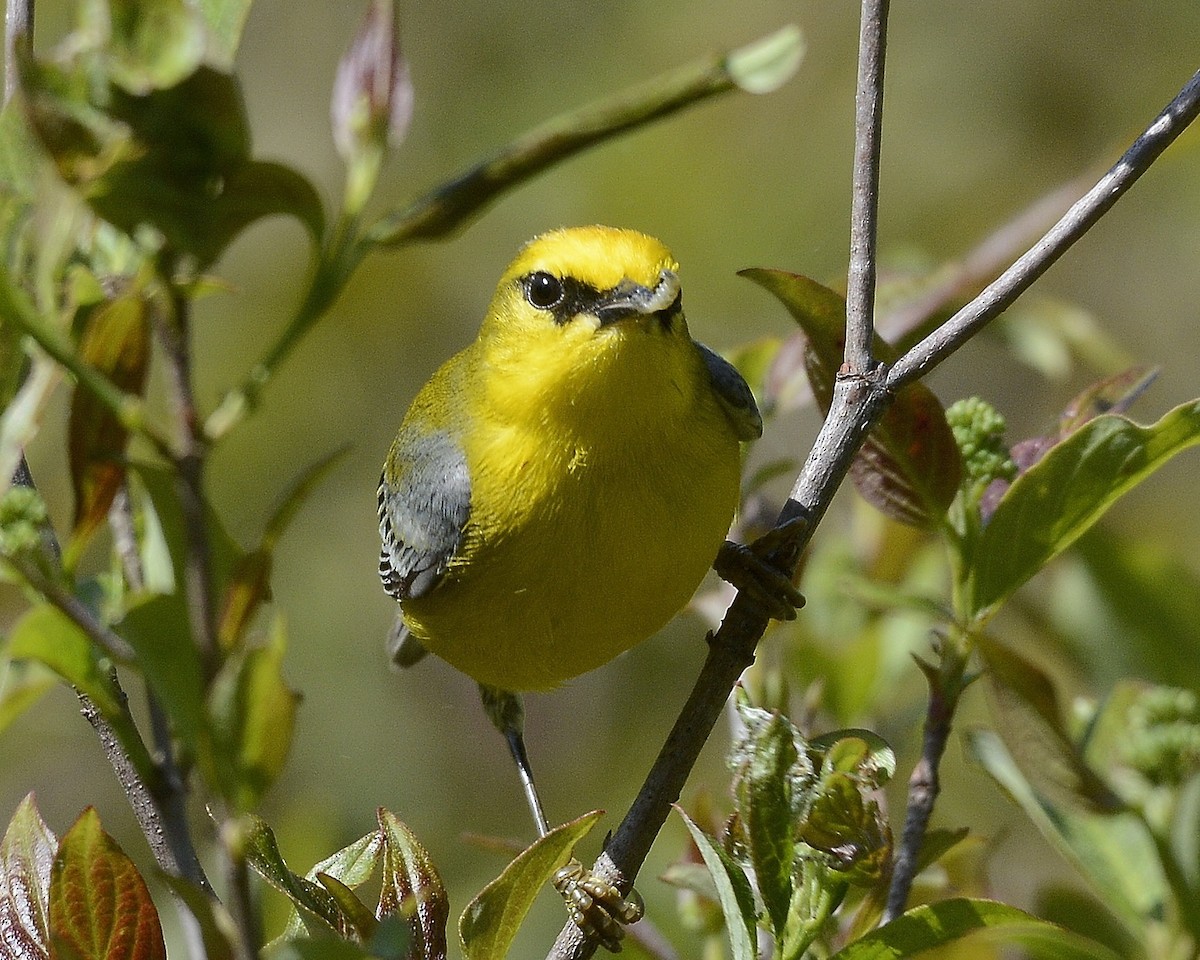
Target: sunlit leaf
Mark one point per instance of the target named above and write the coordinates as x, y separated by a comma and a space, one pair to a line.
1031, 721
357, 915
24, 685
210, 915
763, 791
152, 43
413, 889
1054, 502
316, 907
949, 921
909, 466
100, 908
225, 20
733, 891
490, 922
46, 635
116, 341
353, 866
1113, 853
251, 713
26, 852
767, 64
157, 629
855, 750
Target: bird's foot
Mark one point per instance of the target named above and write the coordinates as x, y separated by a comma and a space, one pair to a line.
753, 570
597, 906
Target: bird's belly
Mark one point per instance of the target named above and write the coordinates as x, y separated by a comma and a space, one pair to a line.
598, 558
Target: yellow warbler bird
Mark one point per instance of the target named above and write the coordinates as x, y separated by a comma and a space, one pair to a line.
559, 488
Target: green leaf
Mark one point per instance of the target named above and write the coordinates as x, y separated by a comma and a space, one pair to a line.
767, 64
358, 916
856, 750
209, 913
733, 890
353, 866
949, 921
412, 889
152, 43
1031, 722
764, 803
157, 628
251, 714
46, 635
225, 20
100, 908
312, 901
490, 922
909, 467
160, 486
318, 948
24, 685
26, 853
1114, 854
1057, 499
116, 341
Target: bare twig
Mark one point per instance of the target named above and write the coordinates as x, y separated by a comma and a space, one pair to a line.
868, 123
1000, 294
946, 683
859, 400
173, 332
18, 30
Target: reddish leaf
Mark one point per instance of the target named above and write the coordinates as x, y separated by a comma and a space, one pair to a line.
26, 853
116, 341
909, 468
100, 908
413, 889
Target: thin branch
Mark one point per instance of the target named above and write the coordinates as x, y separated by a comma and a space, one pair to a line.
1000, 294
946, 684
864, 214
114, 646
173, 333
858, 402
18, 31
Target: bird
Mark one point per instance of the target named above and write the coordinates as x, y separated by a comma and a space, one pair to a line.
560, 487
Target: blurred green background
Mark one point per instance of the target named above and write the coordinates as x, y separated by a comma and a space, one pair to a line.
988, 106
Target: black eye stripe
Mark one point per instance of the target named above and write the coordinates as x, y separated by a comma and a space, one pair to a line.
577, 297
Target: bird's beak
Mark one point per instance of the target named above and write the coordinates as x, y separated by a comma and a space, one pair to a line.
629, 299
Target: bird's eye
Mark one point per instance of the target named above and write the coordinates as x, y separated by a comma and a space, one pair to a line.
544, 290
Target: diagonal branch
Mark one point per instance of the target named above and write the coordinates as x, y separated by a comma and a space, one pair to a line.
1000, 294
858, 402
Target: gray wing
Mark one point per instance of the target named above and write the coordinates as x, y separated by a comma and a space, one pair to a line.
424, 502
734, 394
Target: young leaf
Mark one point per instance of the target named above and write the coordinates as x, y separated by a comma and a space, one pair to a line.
312, 901
100, 908
909, 468
1055, 501
413, 889
46, 635
24, 685
357, 915
733, 889
763, 791
767, 64
950, 921
116, 341
225, 20
490, 922
1113, 853
251, 713
352, 866
26, 853
158, 630
153, 43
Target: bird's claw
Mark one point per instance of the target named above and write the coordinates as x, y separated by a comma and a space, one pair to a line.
753, 570
597, 906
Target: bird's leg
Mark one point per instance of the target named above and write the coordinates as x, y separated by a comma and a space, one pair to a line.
756, 570
596, 906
